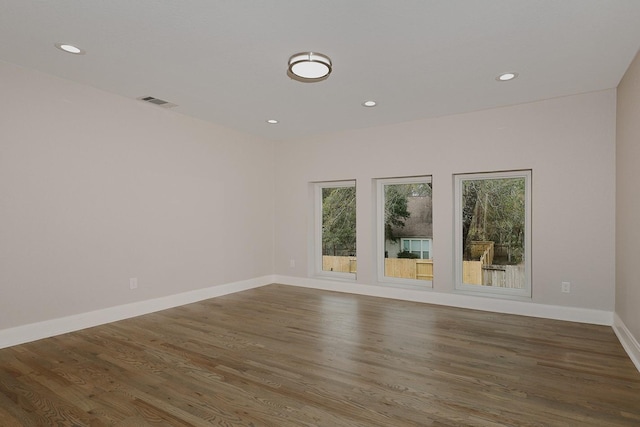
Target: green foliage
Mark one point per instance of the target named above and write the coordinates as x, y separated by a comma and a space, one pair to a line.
396, 204
395, 208
407, 254
339, 214
339, 220
494, 210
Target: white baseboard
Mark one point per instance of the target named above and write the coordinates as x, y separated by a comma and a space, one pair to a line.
523, 308
628, 341
35, 331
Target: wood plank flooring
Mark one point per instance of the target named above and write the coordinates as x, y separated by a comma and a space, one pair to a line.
287, 356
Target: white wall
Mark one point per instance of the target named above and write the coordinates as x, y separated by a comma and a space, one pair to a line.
628, 202
568, 142
96, 188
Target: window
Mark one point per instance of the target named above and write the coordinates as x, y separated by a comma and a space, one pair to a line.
421, 248
405, 231
336, 229
493, 233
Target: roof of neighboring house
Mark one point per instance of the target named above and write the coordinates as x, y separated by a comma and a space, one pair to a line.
420, 223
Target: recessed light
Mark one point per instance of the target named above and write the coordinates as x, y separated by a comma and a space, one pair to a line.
369, 103
272, 121
505, 77
69, 48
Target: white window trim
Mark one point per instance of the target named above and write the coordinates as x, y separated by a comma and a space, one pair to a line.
380, 240
318, 271
508, 293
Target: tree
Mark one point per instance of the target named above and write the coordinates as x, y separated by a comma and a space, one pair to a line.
469, 201
396, 210
494, 210
339, 214
339, 220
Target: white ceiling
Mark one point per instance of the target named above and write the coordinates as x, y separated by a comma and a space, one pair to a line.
225, 61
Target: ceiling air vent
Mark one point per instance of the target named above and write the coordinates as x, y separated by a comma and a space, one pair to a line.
161, 102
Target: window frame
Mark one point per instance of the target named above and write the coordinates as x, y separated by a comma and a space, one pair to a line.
380, 184
317, 262
492, 291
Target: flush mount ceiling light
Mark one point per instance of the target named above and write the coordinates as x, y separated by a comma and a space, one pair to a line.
505, 77
309, 67
272, 121
369, 103
69, 48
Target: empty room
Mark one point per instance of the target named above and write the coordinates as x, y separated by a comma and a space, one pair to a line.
334, 213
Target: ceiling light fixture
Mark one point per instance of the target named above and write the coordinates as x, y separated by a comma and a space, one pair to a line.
69, 48
505, 77
369, 103
272, 121
309, 67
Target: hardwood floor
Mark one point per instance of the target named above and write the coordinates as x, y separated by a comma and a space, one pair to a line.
286, 356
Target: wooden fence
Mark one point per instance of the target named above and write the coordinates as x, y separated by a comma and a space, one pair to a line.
483, 251
404, 268
473, 272
344, 264
501, 276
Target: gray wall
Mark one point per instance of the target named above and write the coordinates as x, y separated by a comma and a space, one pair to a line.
96, 189
628, 200
569, 143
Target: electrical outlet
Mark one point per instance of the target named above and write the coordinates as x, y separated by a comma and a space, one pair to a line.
566, 287
133, 283
292, 263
